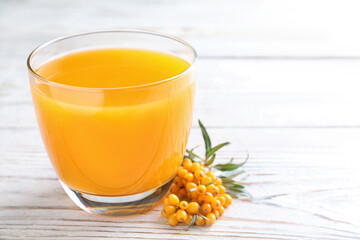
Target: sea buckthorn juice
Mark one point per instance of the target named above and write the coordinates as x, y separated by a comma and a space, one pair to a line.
115, 122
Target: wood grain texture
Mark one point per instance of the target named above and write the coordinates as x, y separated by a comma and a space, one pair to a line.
279, 79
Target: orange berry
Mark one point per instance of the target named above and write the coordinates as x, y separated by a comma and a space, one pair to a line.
182, 193
173, 199
216, 190
205, 208
199, 174
166, 202
193, 196
205, 180
215, 204
228, 199
201, 189
195, 166
217, 181
174, 189
200, 221
172, 220
208, 197
181, 172
222, 200
211, 218
181, 215
221, 210
210, 188
201, 199
164, 214
211, 175
189, 219
193, 208
216, 212
189, 177
187, 164
177, 181
168, 210
190, 185
183, 204
222, 189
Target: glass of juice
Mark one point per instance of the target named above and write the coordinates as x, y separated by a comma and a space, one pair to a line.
114, 109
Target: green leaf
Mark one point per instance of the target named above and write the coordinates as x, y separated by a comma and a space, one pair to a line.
192, 222
228, 166
206, 137
214, 149
232, 174
208, 184
192, 155
210, 161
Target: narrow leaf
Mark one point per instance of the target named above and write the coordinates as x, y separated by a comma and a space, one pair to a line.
210, 161
191, 190
228, 166
208, 184
192, 222
206, 137
214, 149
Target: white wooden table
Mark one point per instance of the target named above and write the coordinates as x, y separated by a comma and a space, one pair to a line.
279, 79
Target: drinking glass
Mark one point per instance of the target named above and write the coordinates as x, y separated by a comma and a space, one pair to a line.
115, 150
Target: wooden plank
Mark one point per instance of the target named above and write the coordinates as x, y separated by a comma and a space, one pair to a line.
305, 184
216, 28
240, 93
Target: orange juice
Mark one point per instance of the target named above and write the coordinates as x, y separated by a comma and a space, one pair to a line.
115, 121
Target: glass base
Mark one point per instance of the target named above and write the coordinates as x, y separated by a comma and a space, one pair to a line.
118, 206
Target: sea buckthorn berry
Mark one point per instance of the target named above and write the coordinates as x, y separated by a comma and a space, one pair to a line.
174, 189
193, 196
201, 199
182, 193
172, 220
211, 189
216, 212
222, 189
221, 210
181, 172
217, 181
211, 218
166, 202
195, 166
200, 221
202, 164
177, 181
181, 215
205, 180
190, 185
228, 199
168, 210
208, 197
193, 208
189, 219
201, 189
199, 174
164, 214
215, 204
183, 204
189, 177
222, 200
173, 199
205, 208
216, 190
187, 164
211, 175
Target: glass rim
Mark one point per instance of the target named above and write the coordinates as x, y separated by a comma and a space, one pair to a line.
55, 40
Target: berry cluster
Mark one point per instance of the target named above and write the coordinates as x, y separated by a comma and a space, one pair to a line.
197, 197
